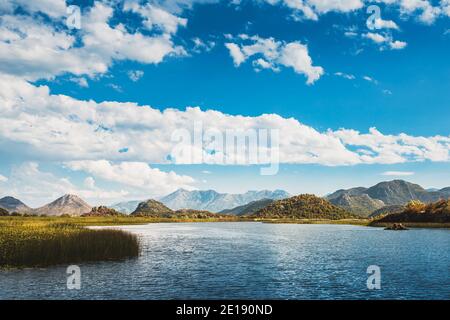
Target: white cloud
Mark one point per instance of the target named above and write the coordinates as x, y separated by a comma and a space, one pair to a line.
385, 39
370, 79
34, 48
135, 75
311, 9
156, 17
134, 174
36, 187
398, 44
344, 75
273, 54
52, 8
200, 45
385, 24
89, 183
236, 53
82, 82
376, 37
3, 178
36, 125
398, 173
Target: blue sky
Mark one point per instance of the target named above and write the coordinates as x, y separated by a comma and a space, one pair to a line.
322, 76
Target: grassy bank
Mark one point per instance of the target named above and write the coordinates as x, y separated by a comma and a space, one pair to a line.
37, 242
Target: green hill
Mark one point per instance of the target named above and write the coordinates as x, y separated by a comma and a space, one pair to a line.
416, 211
305, 206
152, 208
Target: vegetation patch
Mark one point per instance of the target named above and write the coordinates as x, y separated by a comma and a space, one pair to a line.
419, 213
37, 242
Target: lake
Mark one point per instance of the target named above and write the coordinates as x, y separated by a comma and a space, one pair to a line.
246, 260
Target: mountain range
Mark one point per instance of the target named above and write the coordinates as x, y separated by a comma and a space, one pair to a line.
383, 198
364, 201
214, 201
208, 200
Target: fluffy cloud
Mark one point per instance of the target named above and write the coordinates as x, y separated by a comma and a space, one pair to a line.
296, 55
156, 17
311, 9
134, 174
52, 8
385, 24
135, 75
36, 187
385, 40
3, 178
36, 125
273, 54
33, 48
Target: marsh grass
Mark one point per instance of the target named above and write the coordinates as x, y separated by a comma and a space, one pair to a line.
34, 242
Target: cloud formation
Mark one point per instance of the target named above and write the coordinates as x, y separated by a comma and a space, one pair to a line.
35, 124
34, 48
273, 54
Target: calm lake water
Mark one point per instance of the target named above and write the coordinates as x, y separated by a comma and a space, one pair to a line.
255, 261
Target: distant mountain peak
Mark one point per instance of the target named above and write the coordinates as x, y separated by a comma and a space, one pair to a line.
69, 204
392, 194
12, 204
214, 201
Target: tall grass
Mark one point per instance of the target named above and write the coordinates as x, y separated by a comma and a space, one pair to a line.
29, 243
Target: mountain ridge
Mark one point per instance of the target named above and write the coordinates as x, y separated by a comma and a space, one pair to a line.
391, 193
214, 201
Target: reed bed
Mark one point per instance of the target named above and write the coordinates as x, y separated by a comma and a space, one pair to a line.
28, 242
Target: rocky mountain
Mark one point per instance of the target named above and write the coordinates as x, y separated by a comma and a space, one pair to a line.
396, 192
305, 206
362, 205
152, 208
214, 201
400, 192
66, 205
14, 205
248, 208
126, 207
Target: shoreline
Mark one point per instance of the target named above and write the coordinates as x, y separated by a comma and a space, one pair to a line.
26, 241
127, 220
